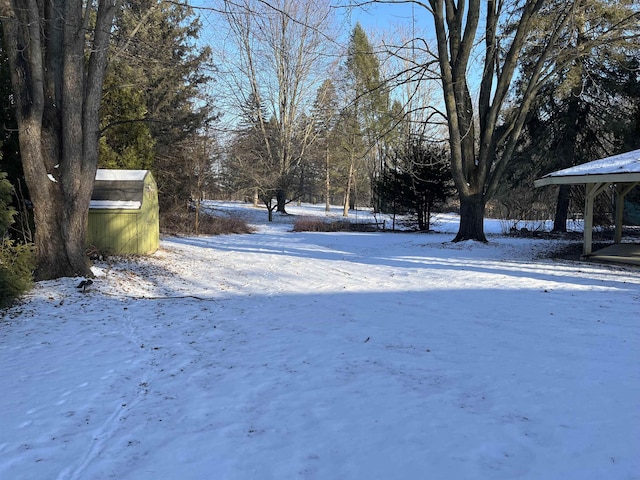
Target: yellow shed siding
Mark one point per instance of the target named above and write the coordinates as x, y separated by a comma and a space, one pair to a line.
127, 231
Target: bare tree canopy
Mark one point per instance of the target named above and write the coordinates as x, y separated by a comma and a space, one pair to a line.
275, 58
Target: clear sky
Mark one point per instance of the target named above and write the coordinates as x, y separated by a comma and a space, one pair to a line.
390, 22
376, 18
387, 17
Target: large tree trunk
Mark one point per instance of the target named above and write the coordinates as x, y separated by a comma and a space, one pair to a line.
480, 149
57, 94
60, 218
281, 198
60, 239
562, 209
471, 218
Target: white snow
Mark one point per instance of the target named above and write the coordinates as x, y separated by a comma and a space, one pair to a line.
115, 204
106, 174
628, 162
282, 355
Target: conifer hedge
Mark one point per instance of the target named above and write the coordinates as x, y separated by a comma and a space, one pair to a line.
17, 261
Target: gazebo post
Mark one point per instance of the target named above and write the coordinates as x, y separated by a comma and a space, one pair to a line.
621, 193
588, 218
592, 190
614, 172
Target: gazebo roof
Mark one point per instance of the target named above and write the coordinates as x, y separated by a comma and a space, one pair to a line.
623, 168
623, 171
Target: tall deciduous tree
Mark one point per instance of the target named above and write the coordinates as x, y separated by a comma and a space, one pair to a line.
249, 167
482, 145
57, 52
325, 117
278, 54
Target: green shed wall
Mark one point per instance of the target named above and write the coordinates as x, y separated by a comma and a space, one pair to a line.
127, 231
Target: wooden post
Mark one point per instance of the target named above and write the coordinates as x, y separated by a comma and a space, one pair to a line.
588, 218
621, 193
592, 190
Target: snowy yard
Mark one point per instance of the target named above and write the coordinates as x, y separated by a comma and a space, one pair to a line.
283, 355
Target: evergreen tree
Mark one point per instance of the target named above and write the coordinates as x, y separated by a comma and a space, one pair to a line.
415, 180
587, 110
153, 105
10, 161
16, 261
368, 100
325, 116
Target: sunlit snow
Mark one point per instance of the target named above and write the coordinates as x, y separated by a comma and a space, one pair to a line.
283, 355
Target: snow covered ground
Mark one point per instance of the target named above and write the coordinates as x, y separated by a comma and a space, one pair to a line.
282, 355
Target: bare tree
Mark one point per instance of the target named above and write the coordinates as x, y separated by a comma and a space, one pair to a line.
480, 151
483, 132
276, 58
57, 50
409, 72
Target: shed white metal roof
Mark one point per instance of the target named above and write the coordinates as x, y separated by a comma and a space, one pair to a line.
104, 174
114, 205
622, 168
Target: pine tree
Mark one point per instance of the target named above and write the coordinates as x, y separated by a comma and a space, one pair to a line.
415, 181
325, 116
584, 112
368, 100
153, 105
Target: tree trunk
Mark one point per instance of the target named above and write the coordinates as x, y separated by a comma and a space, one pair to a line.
59, 236
281, 198
562, 209
197, 219
327, 184
57, 81
347, 193
471, 218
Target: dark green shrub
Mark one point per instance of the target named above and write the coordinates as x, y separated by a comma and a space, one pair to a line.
7, 212
415, 180
17, 262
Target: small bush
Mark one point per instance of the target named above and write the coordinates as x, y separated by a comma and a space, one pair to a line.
181, 222
307, 224
17, 263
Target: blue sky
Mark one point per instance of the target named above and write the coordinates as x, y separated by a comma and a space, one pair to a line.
383, 16
374, 17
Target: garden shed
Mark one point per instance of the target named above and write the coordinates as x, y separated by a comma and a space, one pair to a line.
620, 173
123, 215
